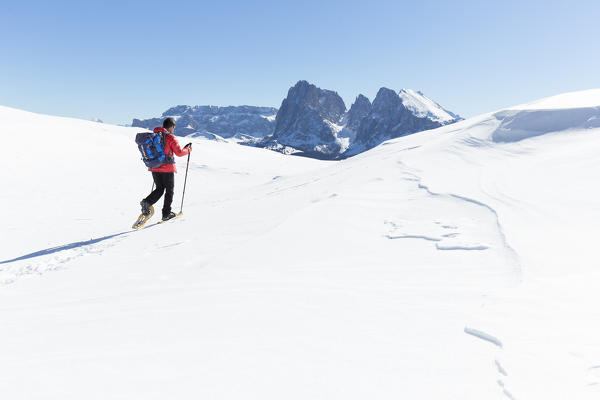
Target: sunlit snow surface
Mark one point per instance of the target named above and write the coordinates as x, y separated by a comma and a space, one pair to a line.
422, 106
457, 263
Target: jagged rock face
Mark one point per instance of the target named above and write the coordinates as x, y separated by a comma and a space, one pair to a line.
359, 110
389, 118
351, 121
313, 121
223, 121
307, 120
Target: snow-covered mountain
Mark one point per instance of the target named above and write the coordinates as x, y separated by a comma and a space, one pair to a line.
454, 263
397, 114
314, 122
311, 121
241, 122
423, 107
307, 122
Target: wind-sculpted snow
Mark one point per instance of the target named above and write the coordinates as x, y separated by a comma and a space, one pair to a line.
447, 237
488, 338
522, 124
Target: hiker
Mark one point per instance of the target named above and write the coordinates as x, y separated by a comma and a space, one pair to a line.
164, 176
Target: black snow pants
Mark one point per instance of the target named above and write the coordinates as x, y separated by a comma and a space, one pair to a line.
164, 181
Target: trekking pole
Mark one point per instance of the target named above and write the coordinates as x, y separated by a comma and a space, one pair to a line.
184, 183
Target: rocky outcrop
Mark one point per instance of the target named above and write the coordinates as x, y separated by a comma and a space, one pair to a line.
397, 114
351, 122
226, 122
308, 121
313, 122
359, 110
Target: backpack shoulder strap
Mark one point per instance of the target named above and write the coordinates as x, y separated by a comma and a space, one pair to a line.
164, 137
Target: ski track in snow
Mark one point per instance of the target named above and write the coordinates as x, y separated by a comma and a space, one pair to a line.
55, 258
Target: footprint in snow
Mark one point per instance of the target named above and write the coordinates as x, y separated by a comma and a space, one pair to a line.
55, 258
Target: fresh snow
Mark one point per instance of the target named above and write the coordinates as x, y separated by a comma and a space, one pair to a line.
422, 106
456, 263
582, 99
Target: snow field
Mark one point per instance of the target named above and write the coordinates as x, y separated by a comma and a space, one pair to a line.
443, 265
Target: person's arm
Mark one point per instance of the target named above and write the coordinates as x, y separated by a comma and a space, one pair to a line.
179, 152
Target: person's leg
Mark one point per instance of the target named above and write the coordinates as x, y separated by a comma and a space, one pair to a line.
160, 188
169, 183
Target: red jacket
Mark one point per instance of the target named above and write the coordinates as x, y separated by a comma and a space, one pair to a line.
171, 146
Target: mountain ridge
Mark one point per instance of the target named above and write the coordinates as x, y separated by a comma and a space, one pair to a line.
312, 121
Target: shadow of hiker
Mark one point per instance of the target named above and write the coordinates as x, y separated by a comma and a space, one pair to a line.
69, 246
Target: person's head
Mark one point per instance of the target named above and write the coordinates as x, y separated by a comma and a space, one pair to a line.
169, 124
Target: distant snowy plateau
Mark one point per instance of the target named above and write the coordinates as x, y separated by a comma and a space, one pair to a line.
453, 263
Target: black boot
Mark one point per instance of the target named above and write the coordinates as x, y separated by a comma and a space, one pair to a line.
145, 208
169, 216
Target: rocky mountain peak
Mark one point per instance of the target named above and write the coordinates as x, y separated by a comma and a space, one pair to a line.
313, 121
308, 121
386, 99
227, 122
397, 114
327, 103
360, 108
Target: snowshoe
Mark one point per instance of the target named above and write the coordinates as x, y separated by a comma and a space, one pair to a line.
142, 219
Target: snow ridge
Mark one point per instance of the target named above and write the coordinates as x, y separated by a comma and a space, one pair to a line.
422, 106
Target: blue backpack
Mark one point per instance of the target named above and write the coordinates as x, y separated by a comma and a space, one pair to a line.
152, 147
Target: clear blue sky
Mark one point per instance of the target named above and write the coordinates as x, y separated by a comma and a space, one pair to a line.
120, 60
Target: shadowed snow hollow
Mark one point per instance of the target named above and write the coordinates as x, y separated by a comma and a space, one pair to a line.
518, 125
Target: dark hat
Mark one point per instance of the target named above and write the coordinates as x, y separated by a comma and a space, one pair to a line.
168, 123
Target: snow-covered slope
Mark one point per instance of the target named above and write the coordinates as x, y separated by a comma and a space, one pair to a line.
423, 107
452, 263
